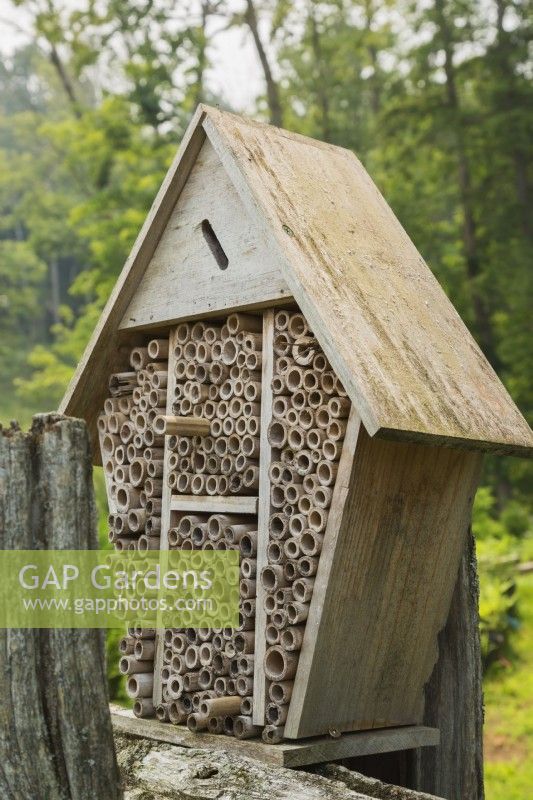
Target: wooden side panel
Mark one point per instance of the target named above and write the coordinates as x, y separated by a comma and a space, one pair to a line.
183, 278
383, 588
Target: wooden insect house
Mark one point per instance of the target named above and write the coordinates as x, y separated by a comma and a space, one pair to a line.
277, 370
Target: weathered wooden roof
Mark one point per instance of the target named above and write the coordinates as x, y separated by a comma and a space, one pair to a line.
404, 355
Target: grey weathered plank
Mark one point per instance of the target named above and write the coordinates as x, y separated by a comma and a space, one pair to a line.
214, 504
55, 732
263, 518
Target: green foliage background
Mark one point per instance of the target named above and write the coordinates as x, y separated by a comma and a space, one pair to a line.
435, 98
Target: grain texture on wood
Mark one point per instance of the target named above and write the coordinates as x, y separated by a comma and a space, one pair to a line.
213, 504
454, 697
55, 733
183, 279
286, 754
263, 518
404, 355
384, 587
166, 508
102, 357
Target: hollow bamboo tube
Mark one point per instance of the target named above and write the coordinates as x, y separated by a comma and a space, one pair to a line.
197, 722
339, 407
158, 349
175, 714
275, 714
326, 472
184, 426
161, 712
280, 665
244, 322
143, 707
245, 642
144, 649
331, 451
280, 692
279, 525
317, 519
272, 734
243, 728
297, 612
303, 589
220, 706
141, 685
272, 577
291, 638
244, 685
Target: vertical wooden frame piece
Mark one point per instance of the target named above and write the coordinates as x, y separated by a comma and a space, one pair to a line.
108, 483
263, 517
165, 517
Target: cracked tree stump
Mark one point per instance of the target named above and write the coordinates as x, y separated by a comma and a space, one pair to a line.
55, 730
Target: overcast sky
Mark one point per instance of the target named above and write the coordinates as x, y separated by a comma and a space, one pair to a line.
235, 73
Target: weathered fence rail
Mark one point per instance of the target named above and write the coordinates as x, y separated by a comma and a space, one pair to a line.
55, 732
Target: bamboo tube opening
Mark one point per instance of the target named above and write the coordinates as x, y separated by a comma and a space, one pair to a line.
109, 443
205, 678
249, 544
140, 685
307, 566
299, 400
339, 407
143, 707
280, 692
303, 589
176, 714
297, 325
197, 722
304, 462
158, 348
317, 519
279, 665
271, 634
326, 472
161, 712
281, 320
277, 434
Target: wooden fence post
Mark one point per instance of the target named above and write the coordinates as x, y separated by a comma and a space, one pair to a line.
454, 698
56, 739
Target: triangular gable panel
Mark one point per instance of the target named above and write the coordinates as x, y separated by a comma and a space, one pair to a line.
404, 355
185, 277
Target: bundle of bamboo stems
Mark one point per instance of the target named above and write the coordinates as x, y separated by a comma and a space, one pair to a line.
207, 673
201, 421
132, 457
309, 415
217, 370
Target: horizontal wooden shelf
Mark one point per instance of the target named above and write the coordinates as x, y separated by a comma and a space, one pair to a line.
287, 754
214, 504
